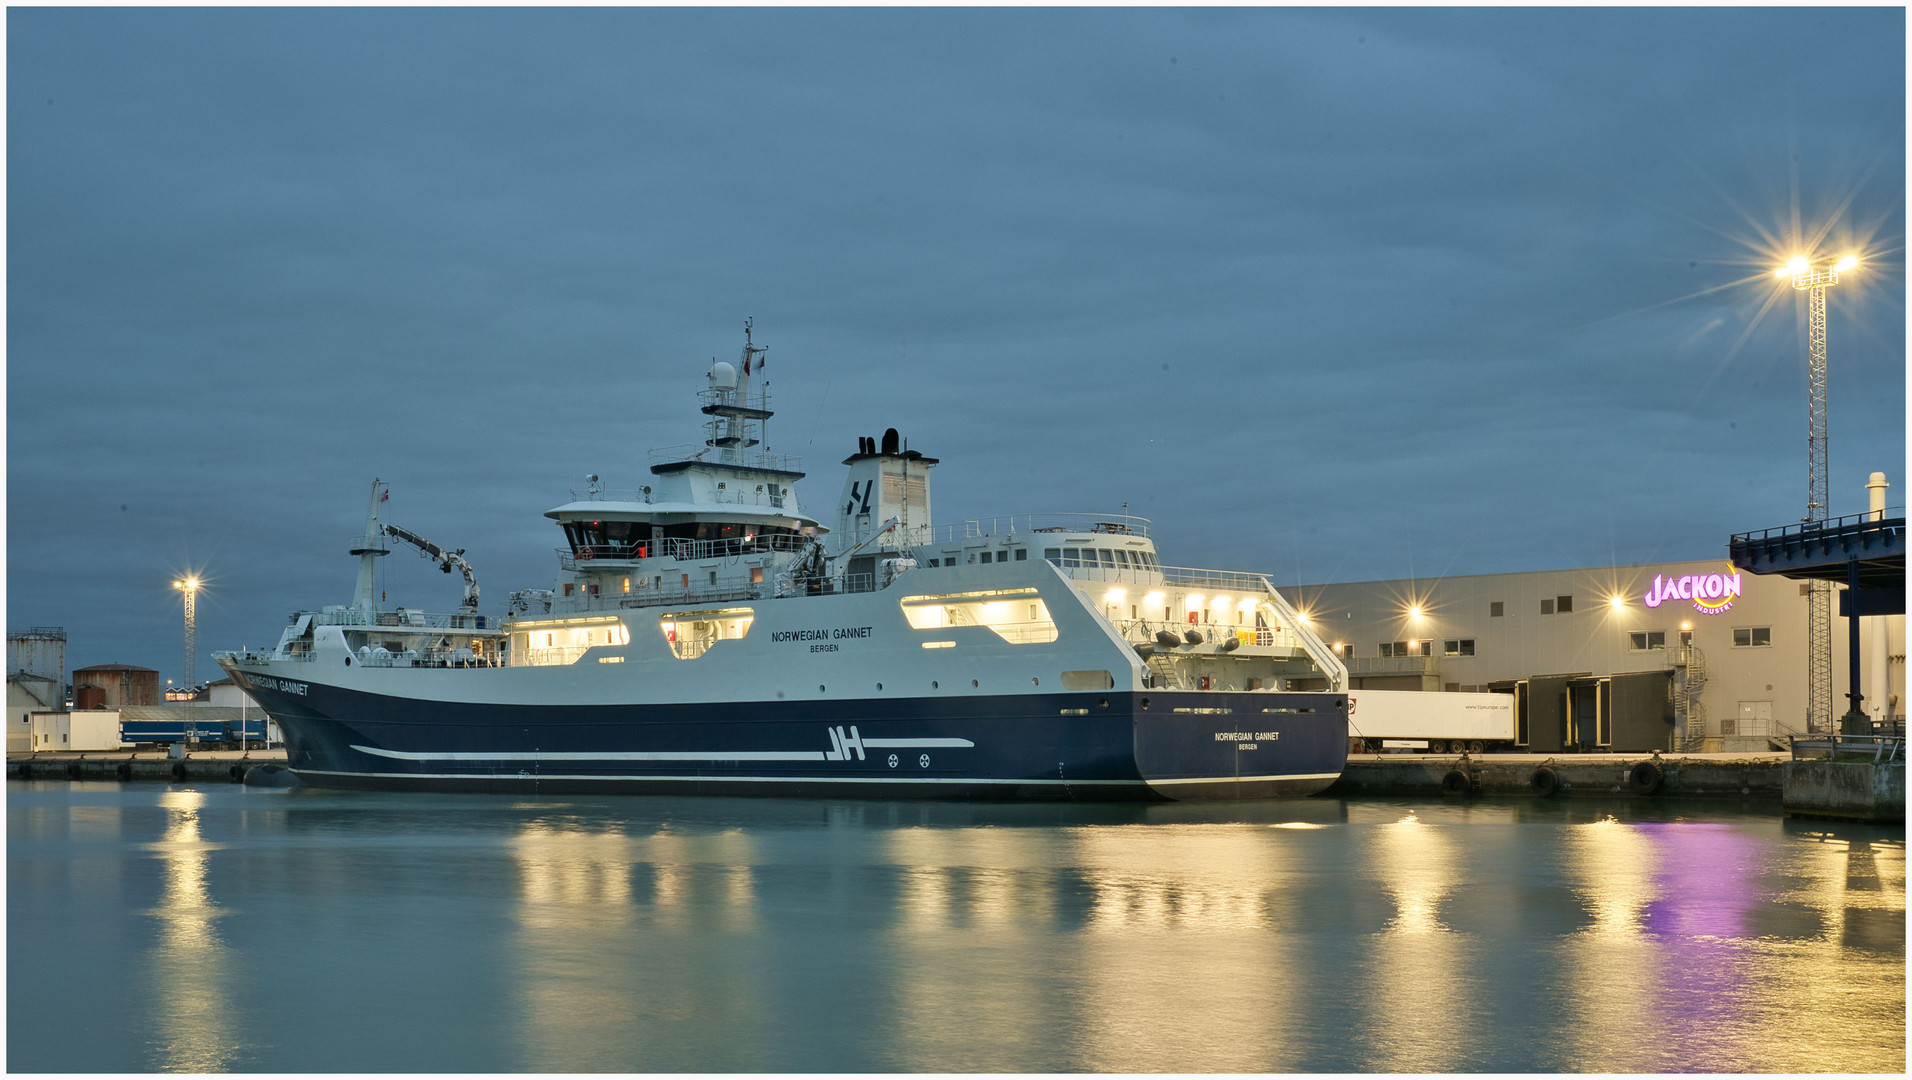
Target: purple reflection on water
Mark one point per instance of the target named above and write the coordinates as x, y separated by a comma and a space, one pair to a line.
1707, 881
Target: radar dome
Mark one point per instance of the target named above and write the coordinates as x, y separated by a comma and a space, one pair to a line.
723, 376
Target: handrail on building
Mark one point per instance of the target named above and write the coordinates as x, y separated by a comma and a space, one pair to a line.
1893, 521
1874, 749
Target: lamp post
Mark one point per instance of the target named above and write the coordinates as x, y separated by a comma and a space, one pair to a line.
1813, 279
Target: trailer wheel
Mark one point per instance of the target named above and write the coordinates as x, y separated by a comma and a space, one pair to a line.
1545, 782
1454, 783
1645, 778
1476, 746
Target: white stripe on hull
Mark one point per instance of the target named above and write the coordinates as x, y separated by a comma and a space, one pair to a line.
656, 755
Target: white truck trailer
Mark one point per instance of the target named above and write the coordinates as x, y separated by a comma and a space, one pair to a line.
1429, 721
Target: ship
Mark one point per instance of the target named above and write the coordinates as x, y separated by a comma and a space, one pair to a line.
706, 635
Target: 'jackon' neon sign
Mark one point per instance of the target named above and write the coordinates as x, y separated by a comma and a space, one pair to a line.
1710, 593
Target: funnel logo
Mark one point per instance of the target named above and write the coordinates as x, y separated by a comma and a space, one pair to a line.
1710, 593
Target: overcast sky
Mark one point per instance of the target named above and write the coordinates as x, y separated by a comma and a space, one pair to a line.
1334, 295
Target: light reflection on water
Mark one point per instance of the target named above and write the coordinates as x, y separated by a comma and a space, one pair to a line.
307, 931
191, 1031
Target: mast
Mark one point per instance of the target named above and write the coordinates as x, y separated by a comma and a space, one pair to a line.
368, 547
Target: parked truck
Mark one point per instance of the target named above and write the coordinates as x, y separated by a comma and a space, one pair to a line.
1429, 721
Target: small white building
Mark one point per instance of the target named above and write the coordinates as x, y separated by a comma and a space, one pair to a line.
80, 730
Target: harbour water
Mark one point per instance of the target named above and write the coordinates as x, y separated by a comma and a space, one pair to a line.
220, 928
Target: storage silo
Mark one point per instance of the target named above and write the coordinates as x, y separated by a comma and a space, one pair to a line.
38, 650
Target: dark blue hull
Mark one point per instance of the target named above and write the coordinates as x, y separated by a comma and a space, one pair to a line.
1082, 746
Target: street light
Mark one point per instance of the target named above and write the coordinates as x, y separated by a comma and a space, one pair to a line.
1813, 279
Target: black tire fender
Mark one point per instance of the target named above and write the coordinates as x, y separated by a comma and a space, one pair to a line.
1646, 778
1455, 783
1545, 782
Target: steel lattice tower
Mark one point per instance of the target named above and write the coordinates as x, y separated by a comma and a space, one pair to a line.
1813, 282
189, 586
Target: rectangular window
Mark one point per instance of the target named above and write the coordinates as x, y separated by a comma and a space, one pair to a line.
1022, 554
1642, 640
1745, 637
1546, 607
1563, 604
1006, 612
1071, 556
989, 556
692, 633
1054, 555
1496, 609
1461, 647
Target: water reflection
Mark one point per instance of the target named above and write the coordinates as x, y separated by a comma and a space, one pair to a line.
1182, 960
607, 923
193, 1029
1417, 973
972, 972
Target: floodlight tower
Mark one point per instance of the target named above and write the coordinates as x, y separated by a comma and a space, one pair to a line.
189, 586
1813, 281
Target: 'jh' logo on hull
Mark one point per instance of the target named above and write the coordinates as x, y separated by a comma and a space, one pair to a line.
841, 745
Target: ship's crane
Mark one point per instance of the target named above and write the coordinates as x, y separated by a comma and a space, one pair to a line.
446, 561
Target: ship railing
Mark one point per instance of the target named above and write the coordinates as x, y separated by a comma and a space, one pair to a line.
729, 497
402, 617
682, 550
1216, 581
978, 528
748, 459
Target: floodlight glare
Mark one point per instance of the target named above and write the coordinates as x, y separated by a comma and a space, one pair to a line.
1846, 263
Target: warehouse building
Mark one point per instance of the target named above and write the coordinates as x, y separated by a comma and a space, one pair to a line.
1692, 656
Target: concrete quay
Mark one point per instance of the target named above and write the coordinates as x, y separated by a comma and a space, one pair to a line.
1756, 776
219, 766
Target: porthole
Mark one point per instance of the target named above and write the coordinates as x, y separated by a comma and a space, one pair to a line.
879, 686
974, 683
1035, 682
819, 688
932, 684
1145, 703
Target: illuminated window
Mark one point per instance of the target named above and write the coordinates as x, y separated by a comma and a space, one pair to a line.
550, 643
1018, 616
692, 633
